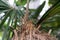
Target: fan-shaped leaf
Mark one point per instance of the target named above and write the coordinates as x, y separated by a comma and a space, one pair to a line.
6, 16
6, 32
3, 6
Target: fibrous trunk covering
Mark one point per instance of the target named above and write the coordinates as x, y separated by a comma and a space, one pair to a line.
29, 32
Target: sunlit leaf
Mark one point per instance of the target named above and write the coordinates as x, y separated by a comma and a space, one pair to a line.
21, 2
6, 16
52, 11
5, 35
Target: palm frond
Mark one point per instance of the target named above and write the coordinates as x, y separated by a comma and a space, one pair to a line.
52, 11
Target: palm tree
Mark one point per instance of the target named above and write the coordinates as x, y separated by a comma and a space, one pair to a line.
22, 25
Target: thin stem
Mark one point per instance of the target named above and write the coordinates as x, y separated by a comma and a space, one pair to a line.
27, 11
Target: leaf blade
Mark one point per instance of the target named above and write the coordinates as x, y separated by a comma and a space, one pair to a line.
52, 11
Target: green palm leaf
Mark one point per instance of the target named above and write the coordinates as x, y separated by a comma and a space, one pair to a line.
52, 11
6, 32
3, 3
21, 2
6, 16
36, 13
3, 6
